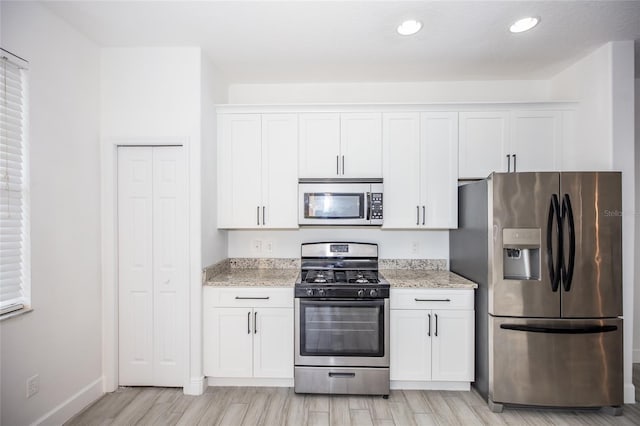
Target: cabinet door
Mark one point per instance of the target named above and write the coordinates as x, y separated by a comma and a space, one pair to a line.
536, 141
279, 171
361, 145
239, 171
228, 337
410, 345
452, 345
273, 342
319, 145
401, 160
483, 144
439, 171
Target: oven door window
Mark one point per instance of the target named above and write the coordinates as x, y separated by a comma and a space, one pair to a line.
333, 205
342, 328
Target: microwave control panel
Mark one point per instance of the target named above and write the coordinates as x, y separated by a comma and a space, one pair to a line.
376, 205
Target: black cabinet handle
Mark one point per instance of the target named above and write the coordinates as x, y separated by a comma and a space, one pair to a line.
263, 221
252, 298
417, 215
255, 322
508, 163
423, 214
249, 322
258, 215
432, 300
436, 315
429, 328
337, 164
514, 164
343, 164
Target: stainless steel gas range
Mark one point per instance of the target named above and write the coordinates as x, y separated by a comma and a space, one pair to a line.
341, 321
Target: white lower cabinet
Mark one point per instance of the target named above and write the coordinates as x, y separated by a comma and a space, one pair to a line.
248, 333
432, 336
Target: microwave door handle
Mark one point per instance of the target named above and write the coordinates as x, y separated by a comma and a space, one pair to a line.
368, 206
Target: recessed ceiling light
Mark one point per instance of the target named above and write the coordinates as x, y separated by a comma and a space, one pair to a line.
409, 27
524, 24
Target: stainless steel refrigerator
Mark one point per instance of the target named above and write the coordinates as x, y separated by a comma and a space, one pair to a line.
546, 252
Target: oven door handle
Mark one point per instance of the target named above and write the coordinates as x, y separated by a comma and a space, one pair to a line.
342, 302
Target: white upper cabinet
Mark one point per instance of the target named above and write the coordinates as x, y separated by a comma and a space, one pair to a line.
439, 171
483, 143
319, 145
401, 145
239, 170
535, 141
420, 169
347, 145
361, 145
279, 171
515, 141
257, 171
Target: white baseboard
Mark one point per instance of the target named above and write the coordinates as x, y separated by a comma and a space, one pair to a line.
73, 405
629, 394
449, 386
249, 381
636, 355
195, 387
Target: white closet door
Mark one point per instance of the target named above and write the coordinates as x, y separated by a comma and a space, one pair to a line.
169, 265
151, 265
135, 265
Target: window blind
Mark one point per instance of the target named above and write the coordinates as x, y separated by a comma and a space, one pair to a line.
14, 282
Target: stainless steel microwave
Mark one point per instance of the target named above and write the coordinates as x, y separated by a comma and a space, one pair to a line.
340, 202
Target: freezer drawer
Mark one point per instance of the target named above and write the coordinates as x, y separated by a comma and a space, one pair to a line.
555, 362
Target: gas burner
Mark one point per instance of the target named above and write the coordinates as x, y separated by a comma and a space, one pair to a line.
319, 277
362, 277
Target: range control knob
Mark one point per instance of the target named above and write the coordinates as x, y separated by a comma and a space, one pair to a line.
360, 293
373, 293
321, 293
310, 292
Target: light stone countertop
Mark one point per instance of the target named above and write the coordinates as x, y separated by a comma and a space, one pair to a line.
406, 278
398, 278
254, 278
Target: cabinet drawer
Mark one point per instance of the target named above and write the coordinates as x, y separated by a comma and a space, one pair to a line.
245, 297
431, 299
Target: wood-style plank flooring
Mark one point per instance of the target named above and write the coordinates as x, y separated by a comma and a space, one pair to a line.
281, 406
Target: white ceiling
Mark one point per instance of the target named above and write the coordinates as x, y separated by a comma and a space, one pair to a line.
346, 41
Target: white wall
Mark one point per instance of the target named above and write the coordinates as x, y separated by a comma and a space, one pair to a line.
636, 329
622, 135
214, 91
589, 82
153, 96
61, 339
392, 244
418, 92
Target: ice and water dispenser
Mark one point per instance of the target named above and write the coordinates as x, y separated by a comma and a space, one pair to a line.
521, 253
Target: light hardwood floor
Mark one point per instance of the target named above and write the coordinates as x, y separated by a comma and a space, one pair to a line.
281, 406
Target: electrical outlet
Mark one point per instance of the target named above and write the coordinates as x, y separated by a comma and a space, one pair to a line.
256, 246
415, 247
33, 385
269, 246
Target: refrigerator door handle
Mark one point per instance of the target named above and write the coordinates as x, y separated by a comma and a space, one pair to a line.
567, 274
554, 270
589, 329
